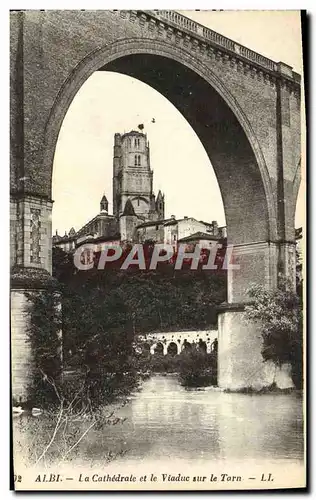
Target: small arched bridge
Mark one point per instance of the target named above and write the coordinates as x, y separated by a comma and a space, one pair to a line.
174, 342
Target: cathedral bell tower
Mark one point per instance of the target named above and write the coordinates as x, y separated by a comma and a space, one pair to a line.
132, 175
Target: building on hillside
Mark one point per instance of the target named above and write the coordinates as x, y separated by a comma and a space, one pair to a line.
68, 242
205, 240
138, 215
174, 231
101, 226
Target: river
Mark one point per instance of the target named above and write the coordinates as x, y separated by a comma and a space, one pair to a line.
167, 421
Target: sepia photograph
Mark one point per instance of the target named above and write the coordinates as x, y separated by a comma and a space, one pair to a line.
157, 250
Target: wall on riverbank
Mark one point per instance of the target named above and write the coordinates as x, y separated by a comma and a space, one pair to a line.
177, 339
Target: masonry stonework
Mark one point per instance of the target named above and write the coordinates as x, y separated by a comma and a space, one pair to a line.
244, 107
240, 363
31, 239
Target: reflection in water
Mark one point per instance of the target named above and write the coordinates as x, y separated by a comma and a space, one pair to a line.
166, 420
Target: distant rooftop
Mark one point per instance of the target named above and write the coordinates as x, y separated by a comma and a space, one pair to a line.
134, 132
155, 223
199, 236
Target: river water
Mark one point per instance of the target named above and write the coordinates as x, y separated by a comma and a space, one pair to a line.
165, 421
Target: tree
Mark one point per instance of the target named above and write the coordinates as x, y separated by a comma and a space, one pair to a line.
62, 264
44, 337
280, 314
158, 300
197, 368
98, 347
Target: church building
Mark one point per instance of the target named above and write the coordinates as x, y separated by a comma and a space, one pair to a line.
138, 215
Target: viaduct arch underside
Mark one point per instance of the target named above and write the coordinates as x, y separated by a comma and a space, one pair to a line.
209, 108
220, 132
260, 224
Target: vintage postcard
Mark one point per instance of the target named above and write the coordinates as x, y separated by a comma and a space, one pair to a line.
157, 250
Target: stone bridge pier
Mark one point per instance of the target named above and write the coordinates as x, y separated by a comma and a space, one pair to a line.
245, 109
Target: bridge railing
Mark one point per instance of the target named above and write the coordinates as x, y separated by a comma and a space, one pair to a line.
257, 58
182, 21
213, 36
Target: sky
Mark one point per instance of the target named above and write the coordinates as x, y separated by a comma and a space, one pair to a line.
109, 102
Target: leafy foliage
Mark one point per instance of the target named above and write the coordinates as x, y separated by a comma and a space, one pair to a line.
197, 368
101, 312
44, 336
160, 300
280, 314
97, 348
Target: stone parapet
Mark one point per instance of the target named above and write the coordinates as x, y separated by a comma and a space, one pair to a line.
174, 26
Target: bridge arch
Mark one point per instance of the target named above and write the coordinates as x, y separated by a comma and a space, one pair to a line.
129, 57
159, 349
235, 154
251, 174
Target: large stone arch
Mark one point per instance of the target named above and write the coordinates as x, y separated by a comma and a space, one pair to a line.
246, 131
242, 173
104, 56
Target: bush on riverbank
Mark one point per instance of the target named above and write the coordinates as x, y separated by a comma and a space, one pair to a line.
279, 313
271, 389
96, 347
44, 337
194, 367
197, 368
